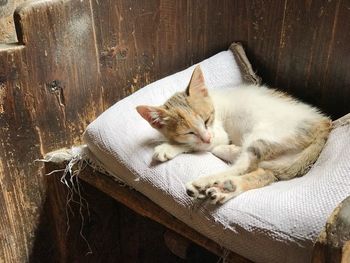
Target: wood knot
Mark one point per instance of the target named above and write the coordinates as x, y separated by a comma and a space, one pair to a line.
55, 87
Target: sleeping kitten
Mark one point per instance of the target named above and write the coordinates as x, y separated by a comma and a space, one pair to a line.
266, 135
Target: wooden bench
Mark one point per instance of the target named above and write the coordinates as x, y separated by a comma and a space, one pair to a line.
74, 59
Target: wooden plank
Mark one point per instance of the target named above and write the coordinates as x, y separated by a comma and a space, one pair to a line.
306, 40
7, 27
145, 207
113, 232
61, 57
213, 26
138, 42
332, 244
335, 82
118, 40
21, 188
264, 22
47, 97
82, 56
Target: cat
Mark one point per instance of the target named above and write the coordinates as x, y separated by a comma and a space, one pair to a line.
265, 134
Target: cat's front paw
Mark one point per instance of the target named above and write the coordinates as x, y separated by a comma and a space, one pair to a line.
165, 152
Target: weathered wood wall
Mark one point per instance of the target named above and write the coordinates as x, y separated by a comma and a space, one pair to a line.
7, 26
76, 58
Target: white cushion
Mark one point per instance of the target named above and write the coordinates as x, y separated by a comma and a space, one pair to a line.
277, 223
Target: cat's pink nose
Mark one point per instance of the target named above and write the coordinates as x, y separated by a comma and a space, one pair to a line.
206, 138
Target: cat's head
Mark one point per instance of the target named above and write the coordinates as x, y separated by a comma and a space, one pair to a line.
187, 117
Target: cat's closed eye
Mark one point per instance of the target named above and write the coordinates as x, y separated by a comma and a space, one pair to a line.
206, 122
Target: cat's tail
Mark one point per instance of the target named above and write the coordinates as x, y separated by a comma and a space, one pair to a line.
287, 167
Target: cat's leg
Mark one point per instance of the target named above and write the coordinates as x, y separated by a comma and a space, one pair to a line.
227, 153
229, 187
252, 152
166, 151
220, 188
245, 163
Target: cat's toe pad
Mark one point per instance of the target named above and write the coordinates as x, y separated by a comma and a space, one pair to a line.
219, 196
195, 191
214, 194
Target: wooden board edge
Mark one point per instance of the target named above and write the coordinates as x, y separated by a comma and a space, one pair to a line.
244, 65
145, 207
333, 242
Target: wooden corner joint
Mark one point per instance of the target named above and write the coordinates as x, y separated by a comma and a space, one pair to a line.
246, 69
333, 243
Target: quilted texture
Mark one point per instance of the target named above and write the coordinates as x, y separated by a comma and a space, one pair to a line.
277, 223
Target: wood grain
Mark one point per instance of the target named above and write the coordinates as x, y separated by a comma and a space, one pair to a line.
76, 58
43, 84
7, 27
145, 207
332, 244
61, 57
303, 54
21, 187
113, 232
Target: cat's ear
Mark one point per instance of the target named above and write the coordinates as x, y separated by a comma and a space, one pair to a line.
197, 84
154, 115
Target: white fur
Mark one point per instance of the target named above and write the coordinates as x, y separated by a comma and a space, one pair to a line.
248, 113
245, 116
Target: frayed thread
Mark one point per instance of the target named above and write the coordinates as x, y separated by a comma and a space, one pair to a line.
77, 161
70, 178
223, 258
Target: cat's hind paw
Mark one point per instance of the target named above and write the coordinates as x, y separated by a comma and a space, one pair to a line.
218, 191
219, 196
195, 192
